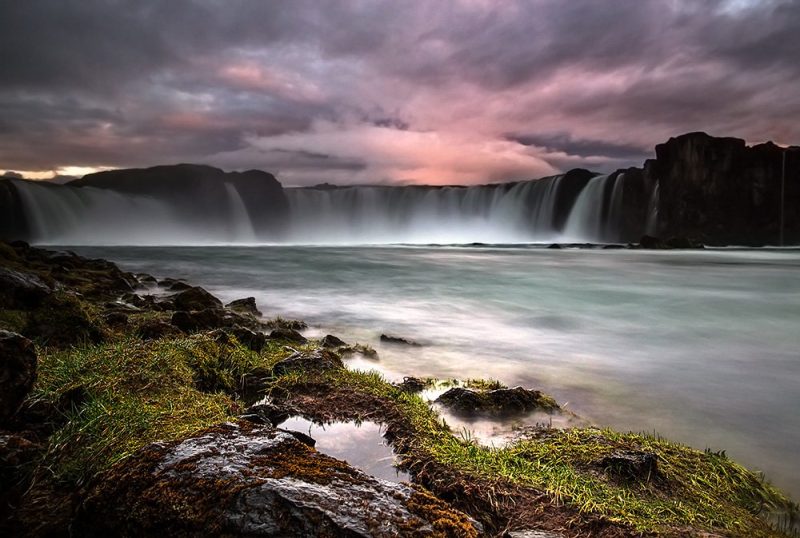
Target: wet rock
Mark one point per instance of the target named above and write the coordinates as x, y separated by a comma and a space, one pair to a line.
288, 334
19, 289
498, 402
145, 279
631, 465
154, 329
332, 341
267, 413
196, 298
310, 362
253, 340
199, 320
174, 284
413, 384
248, 480
18, 365
245, 306
554, 246
389, 339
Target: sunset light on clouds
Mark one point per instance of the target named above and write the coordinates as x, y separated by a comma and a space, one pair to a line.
437, 92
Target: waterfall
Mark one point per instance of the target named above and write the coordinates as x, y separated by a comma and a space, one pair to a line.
651, 228
521, 212
586, 220
517, 213
613, 220
240, 223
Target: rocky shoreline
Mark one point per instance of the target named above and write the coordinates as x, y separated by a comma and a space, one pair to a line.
131, 405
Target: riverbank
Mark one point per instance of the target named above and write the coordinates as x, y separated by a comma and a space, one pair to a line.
125, 361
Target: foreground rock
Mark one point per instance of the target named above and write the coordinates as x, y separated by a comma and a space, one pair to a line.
19, 289
245, 306
196, 298
17, 372
496, 403
246, 479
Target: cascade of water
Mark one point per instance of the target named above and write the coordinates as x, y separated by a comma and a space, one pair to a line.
585, 221
508, 213
240, 223
651, 228
87, 215
613, 220
488, 213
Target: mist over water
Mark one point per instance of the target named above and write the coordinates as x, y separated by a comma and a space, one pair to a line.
700, 346
512, 213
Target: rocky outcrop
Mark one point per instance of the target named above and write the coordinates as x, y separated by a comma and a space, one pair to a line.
496, 403
243, 479
720, 191
17, 372
13, 222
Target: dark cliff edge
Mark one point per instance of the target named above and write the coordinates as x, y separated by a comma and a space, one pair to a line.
698, 189
199, 189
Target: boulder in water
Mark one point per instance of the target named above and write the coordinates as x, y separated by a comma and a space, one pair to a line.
332, 341
245, 306
497, 403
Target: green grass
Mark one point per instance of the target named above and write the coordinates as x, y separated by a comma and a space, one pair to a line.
132, 393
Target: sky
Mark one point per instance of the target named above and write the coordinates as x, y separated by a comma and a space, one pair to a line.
394, 91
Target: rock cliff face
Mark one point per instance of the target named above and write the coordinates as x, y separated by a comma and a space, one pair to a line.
13, 223
720, 191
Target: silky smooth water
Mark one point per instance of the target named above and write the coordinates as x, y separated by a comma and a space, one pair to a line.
702, 347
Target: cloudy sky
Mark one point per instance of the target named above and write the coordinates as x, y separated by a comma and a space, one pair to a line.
439, 91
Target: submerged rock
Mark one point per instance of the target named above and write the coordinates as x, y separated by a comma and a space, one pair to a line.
18, 365
498, 402
245, 306
389, 339
245, 479
195, 298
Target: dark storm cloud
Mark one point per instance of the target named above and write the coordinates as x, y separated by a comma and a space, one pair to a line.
382, 90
